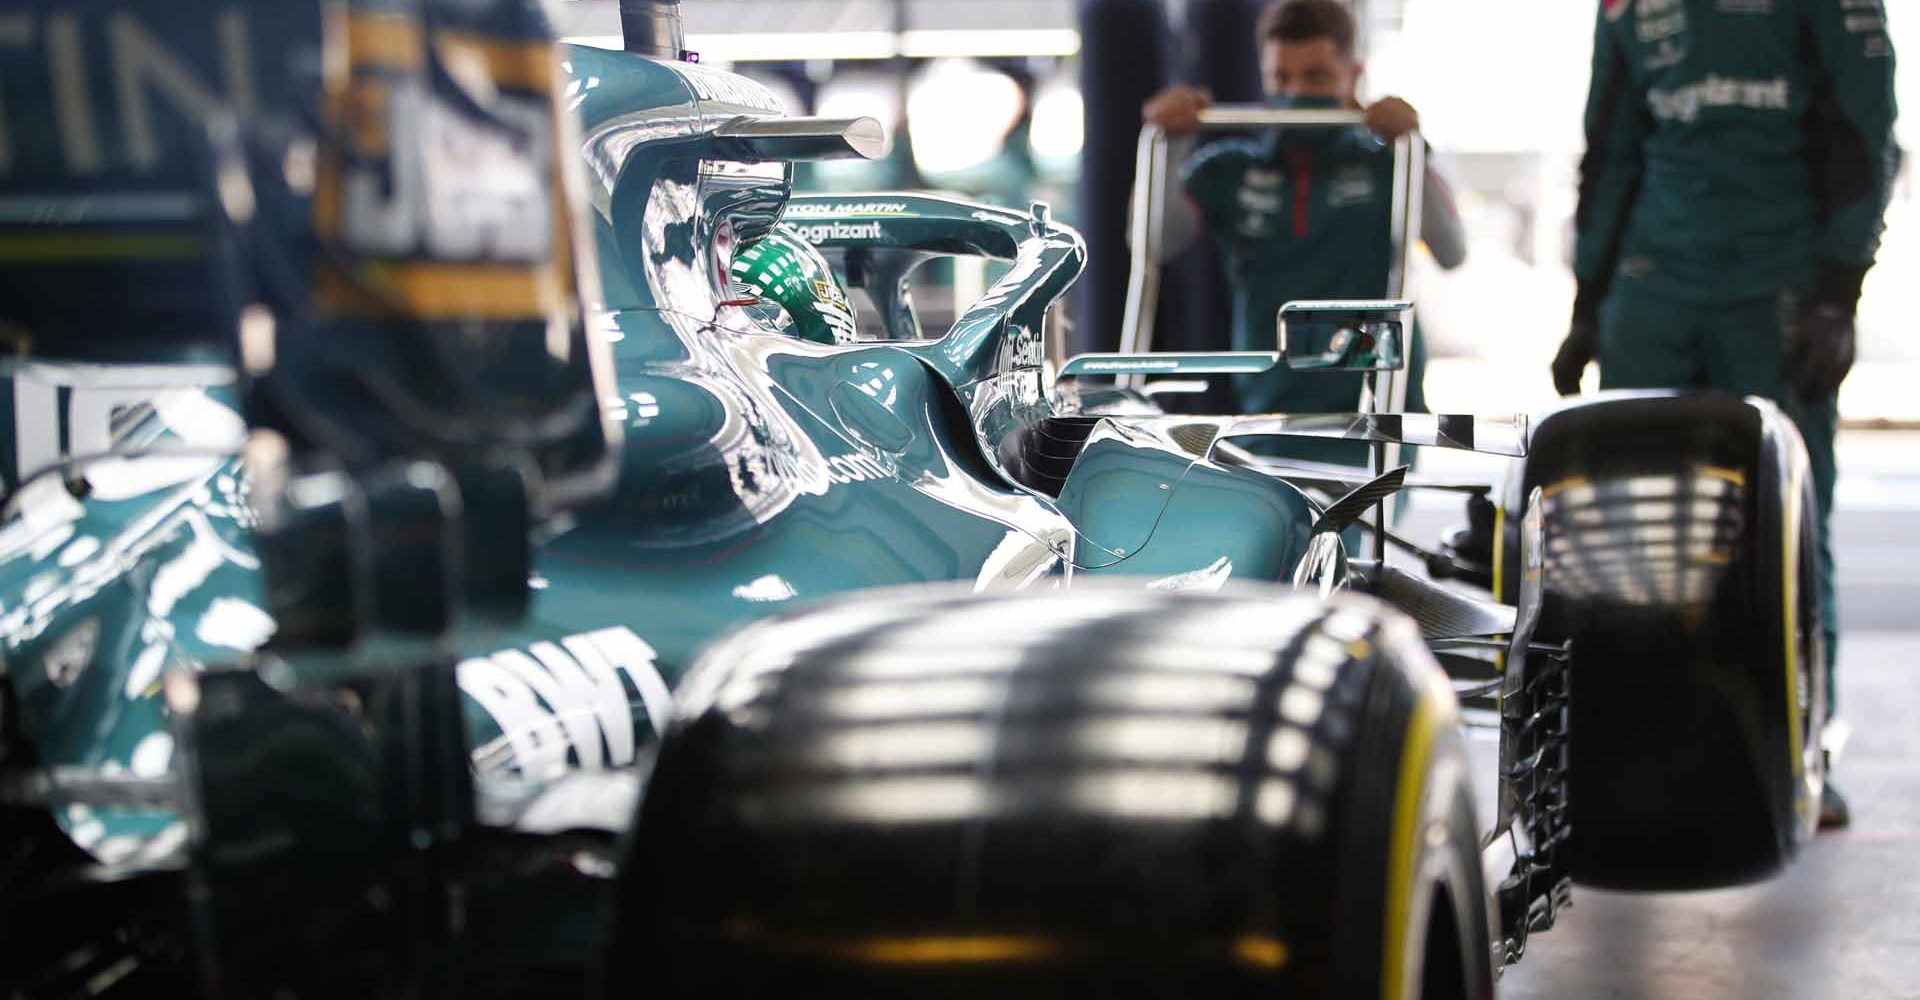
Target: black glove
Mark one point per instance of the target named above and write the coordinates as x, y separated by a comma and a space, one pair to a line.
1820, 352
1580, 347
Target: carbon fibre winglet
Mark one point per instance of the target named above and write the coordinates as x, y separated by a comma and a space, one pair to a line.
1350, 508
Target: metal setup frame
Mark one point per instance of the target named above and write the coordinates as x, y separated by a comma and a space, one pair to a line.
1385, 391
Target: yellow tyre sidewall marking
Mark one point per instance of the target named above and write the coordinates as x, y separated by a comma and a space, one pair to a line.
953, 950
1431, 710
1499, 551
1790, 556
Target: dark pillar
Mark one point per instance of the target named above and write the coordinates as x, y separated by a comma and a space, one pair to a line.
1123, 61
1222, 56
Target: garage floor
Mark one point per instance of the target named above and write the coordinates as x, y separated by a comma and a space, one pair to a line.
1844, 922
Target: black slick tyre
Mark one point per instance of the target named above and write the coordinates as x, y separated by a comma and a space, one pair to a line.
1102, 792
1681, 566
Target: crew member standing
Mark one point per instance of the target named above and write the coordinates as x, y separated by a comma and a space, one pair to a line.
1740, 157
1303, 213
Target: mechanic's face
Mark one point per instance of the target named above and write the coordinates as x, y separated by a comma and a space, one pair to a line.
1313, 68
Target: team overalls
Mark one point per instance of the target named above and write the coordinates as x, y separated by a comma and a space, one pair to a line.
1740, 159
1300, 216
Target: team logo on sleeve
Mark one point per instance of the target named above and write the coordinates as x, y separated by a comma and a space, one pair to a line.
1660, 19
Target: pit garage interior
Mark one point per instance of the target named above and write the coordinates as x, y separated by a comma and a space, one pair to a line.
1837, 924
1027, 116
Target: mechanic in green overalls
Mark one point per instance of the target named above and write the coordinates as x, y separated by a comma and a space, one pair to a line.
1740, 158
1303, 213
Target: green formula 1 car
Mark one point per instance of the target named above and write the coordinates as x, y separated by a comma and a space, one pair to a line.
899, 662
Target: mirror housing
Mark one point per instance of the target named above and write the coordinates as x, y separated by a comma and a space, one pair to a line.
756, 140
1345, 336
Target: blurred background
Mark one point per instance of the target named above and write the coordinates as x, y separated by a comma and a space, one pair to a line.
993, 99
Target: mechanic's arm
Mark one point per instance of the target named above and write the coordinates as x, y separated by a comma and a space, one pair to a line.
1177, 111
1617, 125
1856, 158
1440, 226
1181, 220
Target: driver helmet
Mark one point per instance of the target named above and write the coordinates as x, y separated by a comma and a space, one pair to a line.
784, 269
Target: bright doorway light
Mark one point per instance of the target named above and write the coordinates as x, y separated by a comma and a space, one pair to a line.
1059, 129
959, 113
861, 94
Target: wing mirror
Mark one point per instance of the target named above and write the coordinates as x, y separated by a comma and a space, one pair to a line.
1358, 336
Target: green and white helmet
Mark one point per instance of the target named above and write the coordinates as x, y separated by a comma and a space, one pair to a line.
785, 270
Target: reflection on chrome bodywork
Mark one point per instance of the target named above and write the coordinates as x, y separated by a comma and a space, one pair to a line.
1208, 578
1134, 479
99, 598
1324, 568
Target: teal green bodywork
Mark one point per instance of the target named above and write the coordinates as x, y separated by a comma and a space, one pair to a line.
758, 470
